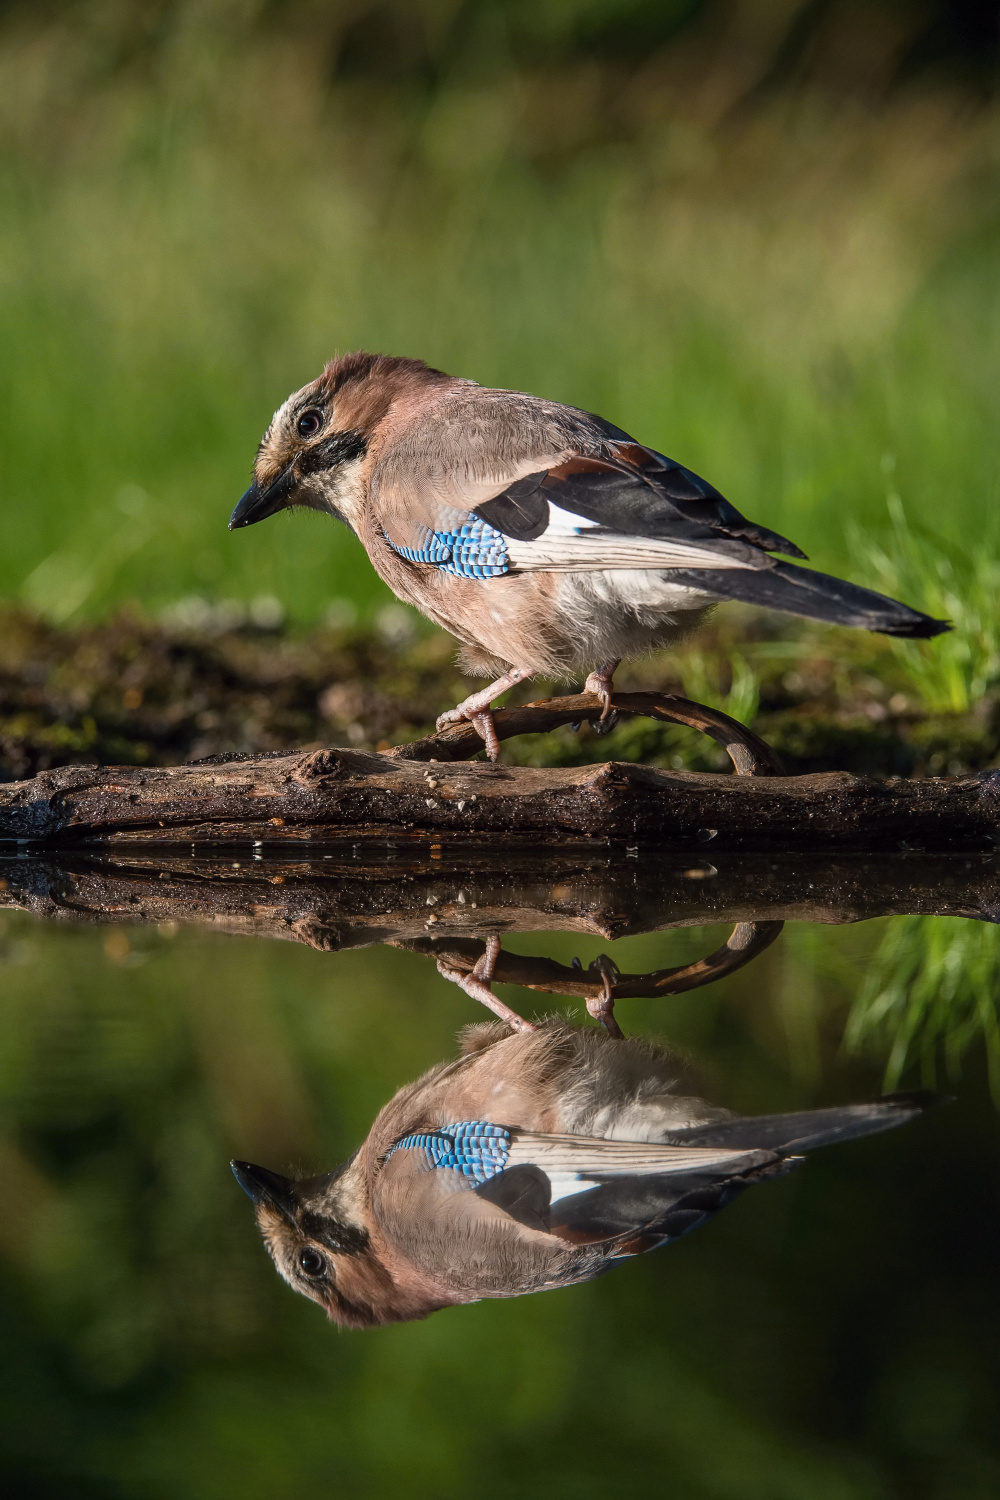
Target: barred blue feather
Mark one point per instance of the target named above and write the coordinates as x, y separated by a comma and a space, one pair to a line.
475, 550
475, 1148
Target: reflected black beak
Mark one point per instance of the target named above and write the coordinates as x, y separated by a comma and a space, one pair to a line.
262, 1186
258, 504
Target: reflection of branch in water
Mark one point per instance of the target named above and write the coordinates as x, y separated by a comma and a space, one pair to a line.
475, 965
350, 897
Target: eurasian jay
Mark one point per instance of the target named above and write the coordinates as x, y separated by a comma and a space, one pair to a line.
546, 539
540, 1158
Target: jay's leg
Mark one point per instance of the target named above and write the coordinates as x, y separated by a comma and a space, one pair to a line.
602, 1006
477, 985
476, 708
601, 682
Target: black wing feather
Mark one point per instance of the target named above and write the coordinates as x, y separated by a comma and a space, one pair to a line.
654, 1209
633, 491
521, 511
628, 1214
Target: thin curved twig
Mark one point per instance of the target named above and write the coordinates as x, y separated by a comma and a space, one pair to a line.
600, 985
750, 755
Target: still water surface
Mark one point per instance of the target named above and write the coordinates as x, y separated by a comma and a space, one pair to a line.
832, 1333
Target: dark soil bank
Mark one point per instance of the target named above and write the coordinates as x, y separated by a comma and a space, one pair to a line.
131, 691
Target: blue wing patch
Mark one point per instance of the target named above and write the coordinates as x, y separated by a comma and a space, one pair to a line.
474, 550
475, 1148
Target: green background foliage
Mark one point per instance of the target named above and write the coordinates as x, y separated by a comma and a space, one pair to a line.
760, 237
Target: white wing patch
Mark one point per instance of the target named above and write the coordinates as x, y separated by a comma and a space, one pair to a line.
569, 544
574, 1163
565, 523
580, 1155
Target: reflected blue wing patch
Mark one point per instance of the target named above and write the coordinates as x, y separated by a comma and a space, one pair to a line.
473, 550
475, 1148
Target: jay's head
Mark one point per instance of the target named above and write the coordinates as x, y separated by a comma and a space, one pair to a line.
314, 451
312, 1232
315, 1232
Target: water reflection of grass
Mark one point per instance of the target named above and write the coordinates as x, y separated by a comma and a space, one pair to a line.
931, 990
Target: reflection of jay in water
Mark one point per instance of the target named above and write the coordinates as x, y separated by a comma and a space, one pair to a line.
538, 1159
546, 539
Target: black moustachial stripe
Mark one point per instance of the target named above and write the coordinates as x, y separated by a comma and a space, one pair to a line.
342, 1239
340, 448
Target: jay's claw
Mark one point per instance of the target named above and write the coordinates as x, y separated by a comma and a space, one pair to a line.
601, 682
475, 709
484, 726
478, 985
481, 720
602, 1006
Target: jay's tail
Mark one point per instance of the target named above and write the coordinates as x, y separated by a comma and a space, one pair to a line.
818, 596
788, 1135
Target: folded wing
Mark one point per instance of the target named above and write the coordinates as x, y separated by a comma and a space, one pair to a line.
624, 1196
631, 1196
621, 507
498, 1211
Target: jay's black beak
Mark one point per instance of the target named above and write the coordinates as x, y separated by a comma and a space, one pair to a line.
257, 504
262, 1186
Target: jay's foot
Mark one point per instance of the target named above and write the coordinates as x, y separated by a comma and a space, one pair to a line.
484, 726
602, 1006
601, 683
475, 709
479, 985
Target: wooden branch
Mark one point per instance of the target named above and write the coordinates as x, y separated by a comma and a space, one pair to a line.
457, 957
348, 796
750, 755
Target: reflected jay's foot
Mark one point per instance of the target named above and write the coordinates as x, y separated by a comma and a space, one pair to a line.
477, 985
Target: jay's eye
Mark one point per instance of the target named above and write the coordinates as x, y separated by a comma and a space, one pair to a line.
310, 423
311, 1262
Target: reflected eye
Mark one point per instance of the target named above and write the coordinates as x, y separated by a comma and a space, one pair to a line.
311, 1263
310, 423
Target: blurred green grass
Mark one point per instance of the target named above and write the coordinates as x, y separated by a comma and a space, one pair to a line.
799, 302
